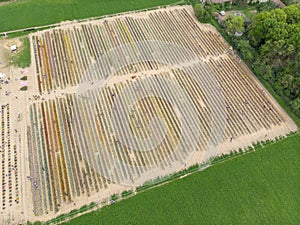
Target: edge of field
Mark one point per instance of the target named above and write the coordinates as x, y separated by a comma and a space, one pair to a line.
94, 209
24, 30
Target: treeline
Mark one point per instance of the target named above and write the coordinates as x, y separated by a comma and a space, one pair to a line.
270, 45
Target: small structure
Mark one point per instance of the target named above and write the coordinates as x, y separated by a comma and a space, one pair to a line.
238, 33
13, 48
222, 13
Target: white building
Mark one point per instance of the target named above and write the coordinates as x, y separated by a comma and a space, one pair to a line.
13, 48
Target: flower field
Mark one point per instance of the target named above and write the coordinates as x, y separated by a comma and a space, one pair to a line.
62, 147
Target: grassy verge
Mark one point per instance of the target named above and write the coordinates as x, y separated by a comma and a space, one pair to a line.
30, 13
21, 58
25, 33
261, 187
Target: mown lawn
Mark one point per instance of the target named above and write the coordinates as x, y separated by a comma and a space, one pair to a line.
29, 13
261, 187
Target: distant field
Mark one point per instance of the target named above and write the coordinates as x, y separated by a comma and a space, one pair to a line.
28, 13
258, 188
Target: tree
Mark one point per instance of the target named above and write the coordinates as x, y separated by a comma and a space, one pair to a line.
262, 69
256, 35
296, 106
276, 39
293, 13
276, 53
234, 24
294, 35
245, 49
278, 32
199, 11
275, 35
277, 15
285, 84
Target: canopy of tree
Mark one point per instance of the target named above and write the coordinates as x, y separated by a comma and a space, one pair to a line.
234, 24
199, 10
276, 37
270, 44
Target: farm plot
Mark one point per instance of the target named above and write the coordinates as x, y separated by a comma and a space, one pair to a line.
66, 131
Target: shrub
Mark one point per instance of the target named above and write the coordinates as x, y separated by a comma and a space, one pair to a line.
126, 193
199, 11
25, 88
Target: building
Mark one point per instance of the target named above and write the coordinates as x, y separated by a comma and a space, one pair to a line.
13, 48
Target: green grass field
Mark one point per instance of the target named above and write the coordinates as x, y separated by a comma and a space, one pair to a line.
29, 13
261, 187
21, 58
